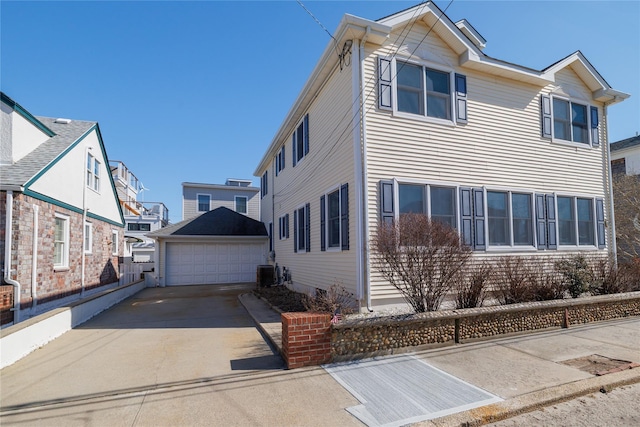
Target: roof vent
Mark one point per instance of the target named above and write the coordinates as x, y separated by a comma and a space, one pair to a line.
63, 121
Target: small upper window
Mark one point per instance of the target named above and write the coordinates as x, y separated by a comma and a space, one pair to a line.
570, 121
418, 86
204, 203
139, 226
300, 140
61, 242
88, 237
241, 204
264, 184
280, 161
93, 173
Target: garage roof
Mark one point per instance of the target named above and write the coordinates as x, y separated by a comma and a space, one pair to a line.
218, 222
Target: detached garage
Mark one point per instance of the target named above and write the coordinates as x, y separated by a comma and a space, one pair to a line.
217, 247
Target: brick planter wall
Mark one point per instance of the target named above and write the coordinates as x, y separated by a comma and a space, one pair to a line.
306, 339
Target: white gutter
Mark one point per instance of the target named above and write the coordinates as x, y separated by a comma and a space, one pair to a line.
8, 242
363, 230
34, 260
84, 223
614, 246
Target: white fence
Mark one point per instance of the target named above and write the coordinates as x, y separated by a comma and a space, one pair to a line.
131, 272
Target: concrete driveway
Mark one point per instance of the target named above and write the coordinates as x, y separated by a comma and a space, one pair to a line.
168, 356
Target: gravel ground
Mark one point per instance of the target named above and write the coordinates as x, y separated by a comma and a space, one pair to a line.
617, 408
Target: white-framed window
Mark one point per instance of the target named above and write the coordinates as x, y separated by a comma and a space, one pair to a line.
241, 204
93, 173
114, 242
264, 184
576, 221
280, 161
139, 226
61, 242
423, 90
510, 218
439, 202
301, 229
204, 202
300, 141
88, 237
569, 120
283, 227
334, 219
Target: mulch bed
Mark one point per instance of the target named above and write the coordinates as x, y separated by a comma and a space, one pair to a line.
283, 298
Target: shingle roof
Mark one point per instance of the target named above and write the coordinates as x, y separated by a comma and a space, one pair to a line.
218, 222
26, 168
625, 143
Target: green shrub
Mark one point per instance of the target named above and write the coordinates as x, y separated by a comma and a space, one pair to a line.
576, 274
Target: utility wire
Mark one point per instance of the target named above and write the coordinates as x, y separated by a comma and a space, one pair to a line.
294, 186
335, 42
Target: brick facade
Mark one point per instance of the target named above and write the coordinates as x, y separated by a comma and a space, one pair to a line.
306, 339
101, 267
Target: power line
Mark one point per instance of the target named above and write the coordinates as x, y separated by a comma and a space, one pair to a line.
335, 42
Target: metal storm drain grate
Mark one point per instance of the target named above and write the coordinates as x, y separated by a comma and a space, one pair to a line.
395, 391
599, 365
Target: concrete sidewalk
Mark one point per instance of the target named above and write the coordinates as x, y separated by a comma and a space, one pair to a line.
527, 371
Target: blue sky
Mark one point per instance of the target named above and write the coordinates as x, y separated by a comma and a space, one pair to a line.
195, 91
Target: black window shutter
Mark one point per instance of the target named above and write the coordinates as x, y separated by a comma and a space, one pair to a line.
294, 148
307, 226
387, 208
295, 231
277, 161
545, 110
461, 98
600, 223
306, 134
344, 216
552, 240
541, 222
595, 137
282, 158
466, 216
384, 83
323, 236
478, 219
286, 225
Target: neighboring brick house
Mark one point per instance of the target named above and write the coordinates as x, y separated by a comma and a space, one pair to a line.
413, 116
61, 224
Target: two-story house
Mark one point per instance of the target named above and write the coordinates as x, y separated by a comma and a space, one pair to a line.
236, 194
62, 227
409, 115
625, 156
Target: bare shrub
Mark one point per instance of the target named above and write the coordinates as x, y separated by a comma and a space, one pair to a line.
421, 258
626, 195
607, 278
335, 301
576, 274
630, 274
514, 280
471, 290
547, 285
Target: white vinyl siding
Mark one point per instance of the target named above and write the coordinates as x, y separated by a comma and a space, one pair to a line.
499, 147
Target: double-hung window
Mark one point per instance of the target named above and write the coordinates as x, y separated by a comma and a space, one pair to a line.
61, 242
301, 229
280, 161
241, 204
88, 237
510, 218
576, 224
300, 140
204, 203
436, 201
283, 223
567, 120
423, 91
334, 219
114, 242
264, 184
93, 173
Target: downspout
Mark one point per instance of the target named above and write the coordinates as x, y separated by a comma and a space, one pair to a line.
8, 242
614, 246
34, 261
365, 277
84, 227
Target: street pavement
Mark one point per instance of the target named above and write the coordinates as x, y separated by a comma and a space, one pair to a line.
191, 356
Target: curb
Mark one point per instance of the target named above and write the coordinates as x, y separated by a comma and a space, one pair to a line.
263, 331
535, 400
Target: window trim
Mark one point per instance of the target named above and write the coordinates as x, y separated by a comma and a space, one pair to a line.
115, 242
512, 246
246, 204
574, 204
304, 228
283, 227
64, 264
88, 238
590, 142
328, 247
424, 117
427, 201
92, 181
303, 128
198, 202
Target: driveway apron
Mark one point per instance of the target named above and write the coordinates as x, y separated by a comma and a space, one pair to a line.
186, 355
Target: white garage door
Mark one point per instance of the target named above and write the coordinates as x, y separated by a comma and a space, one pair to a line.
208, 263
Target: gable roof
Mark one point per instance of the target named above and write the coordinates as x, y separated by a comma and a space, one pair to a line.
461, 38
625, 143
20, 173
218, 222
